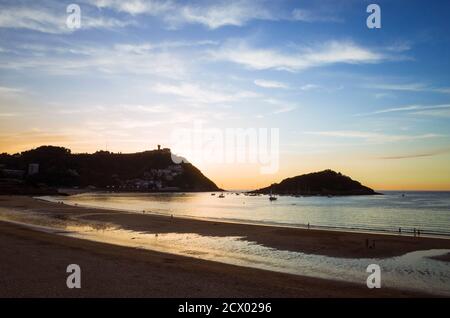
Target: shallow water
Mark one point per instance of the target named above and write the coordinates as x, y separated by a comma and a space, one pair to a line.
429, 211
412, 271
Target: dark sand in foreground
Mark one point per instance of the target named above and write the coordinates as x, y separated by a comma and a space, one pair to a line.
33, 264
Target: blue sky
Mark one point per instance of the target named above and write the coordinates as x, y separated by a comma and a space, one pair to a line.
368, 102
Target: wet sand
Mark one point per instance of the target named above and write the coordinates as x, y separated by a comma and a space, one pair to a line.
444, 258
33, 263
320, 242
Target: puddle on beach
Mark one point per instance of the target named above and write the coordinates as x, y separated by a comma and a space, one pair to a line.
412, 271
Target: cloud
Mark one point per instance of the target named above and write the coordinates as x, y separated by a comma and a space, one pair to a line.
134, 7
140, 48
141, 59
372, 137
222, 13
418, 154
50, 18
443, 113
270, 84
9, 91
8, 115
196, 94
284, 109
282, 106
410, 87
305, 15
154, 109
309, 87
332, 52
414, 109
212, 14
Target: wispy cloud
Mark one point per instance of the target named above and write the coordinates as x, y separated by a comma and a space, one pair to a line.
122, 58
199, 94
212, 14
410, 87
373, 137
270, 84
134, 7
418, 154
9, 91
281, 106
333, 52
442, 113
51, 18
414, 109
309, 87
152, 109
305, 15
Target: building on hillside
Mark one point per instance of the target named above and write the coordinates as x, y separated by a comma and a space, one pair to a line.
33, 168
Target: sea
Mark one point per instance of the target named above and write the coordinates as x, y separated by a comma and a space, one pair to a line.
392, 212
428, 212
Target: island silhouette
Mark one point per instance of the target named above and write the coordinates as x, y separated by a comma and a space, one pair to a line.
326, 182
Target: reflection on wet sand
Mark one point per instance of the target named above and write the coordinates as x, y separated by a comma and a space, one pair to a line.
412, 271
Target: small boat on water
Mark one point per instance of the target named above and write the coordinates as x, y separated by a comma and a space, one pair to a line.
271, 197
213, 194
221, 195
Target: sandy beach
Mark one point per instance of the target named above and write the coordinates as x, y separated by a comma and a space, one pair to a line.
33, 263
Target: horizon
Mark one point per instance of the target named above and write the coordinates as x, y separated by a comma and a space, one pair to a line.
235, 189
373, 104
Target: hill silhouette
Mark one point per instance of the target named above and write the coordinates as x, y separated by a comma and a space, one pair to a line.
143, 171
327, 182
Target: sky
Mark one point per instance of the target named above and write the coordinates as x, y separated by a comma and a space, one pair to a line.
371, 103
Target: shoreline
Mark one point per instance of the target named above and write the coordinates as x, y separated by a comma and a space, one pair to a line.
362, 230
341, 244
35, 263
228, 280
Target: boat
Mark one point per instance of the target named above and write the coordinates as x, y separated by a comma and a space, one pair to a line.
221, 195
271, 197
213, 194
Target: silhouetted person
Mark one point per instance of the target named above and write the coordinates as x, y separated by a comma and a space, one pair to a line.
418, 232
399, 230
414, 232
308, 225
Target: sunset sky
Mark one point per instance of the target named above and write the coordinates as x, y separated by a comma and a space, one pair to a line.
371, 103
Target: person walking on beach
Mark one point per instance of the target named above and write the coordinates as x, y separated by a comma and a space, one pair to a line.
418, 232
399, 230
308, 225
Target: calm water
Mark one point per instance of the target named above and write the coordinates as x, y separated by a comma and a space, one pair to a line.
429, 211
414, 271
411, 271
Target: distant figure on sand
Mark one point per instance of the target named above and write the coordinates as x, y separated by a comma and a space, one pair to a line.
399, 230
418, 232
308, 225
